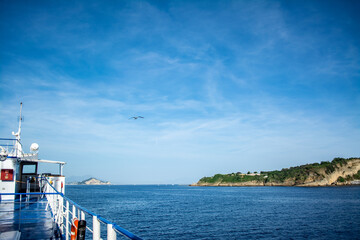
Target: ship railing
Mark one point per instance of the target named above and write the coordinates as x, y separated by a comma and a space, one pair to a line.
64, 210
8, 144
8, 148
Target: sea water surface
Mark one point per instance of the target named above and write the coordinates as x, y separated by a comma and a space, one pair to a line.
183, 212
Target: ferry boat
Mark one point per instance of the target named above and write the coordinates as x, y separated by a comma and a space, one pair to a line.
33, 205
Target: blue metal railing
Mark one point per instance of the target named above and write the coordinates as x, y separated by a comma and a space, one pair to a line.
8, 139
31, 193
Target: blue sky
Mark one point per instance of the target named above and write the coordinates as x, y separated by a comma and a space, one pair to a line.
224, 86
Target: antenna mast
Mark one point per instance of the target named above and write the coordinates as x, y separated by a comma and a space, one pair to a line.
18, 146
20, 120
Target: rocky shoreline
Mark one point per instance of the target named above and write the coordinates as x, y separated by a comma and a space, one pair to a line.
258, 184
319, 178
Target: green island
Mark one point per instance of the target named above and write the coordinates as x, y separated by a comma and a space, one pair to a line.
339, 171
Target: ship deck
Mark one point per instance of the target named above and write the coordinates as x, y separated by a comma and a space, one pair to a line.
32, 219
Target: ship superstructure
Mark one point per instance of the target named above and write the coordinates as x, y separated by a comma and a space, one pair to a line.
19, 170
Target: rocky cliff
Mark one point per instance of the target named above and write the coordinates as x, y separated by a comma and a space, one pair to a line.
337, 172
92, 181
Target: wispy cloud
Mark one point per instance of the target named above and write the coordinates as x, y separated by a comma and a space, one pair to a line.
222, 86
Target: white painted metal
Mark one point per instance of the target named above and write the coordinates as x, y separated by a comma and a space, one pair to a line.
18, 147
66, 221
61, 213
8, 186
73, 212
96, 228
45, 161
111, 234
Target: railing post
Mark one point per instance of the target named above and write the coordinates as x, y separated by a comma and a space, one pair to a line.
27, 188
61, 214
66, 221
111, 234
96, 228
55, 204
50, 199
19, 213
82, 215
73, 212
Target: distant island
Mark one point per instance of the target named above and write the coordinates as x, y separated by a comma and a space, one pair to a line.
339, 171
91, 181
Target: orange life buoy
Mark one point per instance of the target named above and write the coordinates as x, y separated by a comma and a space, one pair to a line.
74, 228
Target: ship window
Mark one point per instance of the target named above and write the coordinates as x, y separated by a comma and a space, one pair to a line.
29, 169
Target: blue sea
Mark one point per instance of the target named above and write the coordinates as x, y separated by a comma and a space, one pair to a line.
183, 212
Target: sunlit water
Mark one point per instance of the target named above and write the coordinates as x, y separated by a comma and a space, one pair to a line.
182, 212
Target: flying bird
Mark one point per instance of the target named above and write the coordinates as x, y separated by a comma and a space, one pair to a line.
136, 117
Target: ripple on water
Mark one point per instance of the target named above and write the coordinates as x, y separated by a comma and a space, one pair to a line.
182, 212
